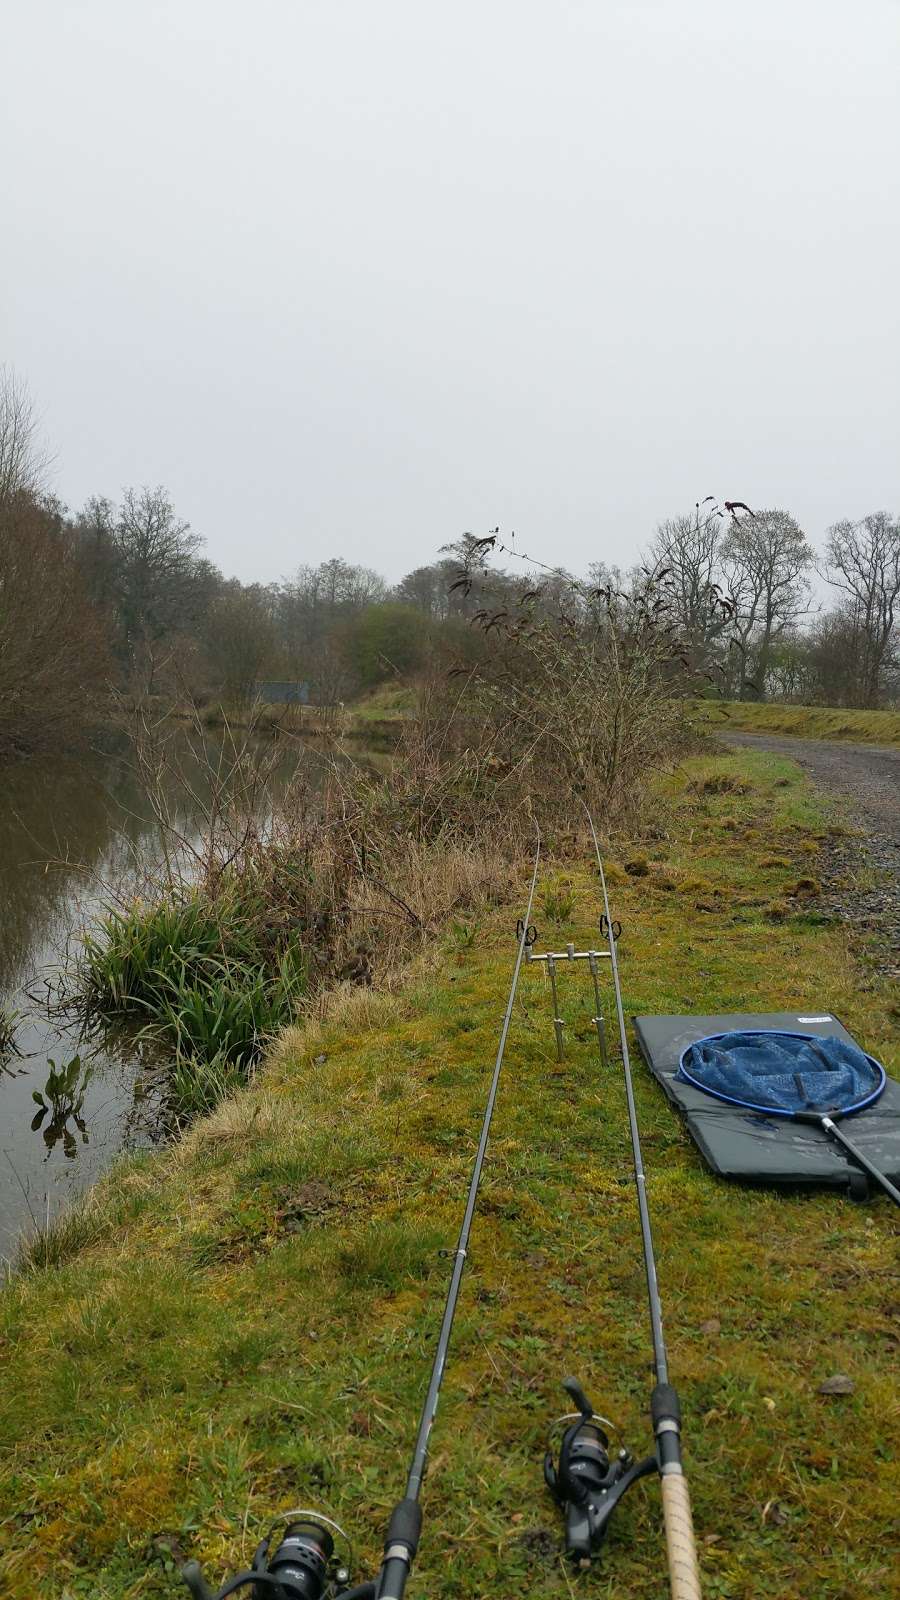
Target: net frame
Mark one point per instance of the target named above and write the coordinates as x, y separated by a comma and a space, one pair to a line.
804, 1112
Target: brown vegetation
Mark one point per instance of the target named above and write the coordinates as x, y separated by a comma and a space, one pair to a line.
53, 657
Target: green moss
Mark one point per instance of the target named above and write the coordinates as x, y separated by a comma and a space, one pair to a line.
250, 1327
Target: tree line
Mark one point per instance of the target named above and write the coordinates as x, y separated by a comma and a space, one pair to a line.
120, 596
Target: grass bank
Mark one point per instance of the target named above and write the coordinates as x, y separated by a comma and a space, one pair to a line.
245, 1322
376, 718
804, 722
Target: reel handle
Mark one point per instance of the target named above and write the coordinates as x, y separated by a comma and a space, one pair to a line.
192, 1576
578, 1397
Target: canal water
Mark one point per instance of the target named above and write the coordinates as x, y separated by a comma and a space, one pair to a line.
71, 829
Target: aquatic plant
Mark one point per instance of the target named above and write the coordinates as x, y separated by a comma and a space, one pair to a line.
62, 1100
8, 1022
197, 974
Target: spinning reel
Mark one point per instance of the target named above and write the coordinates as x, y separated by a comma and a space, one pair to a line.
587, 1484
302, 1566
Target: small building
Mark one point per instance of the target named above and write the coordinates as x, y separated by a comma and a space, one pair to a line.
283, 694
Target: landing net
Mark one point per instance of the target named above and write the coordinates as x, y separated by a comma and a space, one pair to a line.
783, 1074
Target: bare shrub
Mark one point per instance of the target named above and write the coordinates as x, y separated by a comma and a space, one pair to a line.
579, 689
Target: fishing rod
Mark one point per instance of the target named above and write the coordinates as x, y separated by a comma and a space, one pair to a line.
585, 1483
303, 1566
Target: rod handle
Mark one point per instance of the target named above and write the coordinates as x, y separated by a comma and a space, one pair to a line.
684, 1574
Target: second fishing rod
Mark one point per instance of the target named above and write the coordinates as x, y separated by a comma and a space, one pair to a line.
302, 1564
586, 1482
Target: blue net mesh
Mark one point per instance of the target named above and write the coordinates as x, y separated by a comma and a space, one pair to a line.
788, 1074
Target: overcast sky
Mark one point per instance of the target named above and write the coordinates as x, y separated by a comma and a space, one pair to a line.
352, 276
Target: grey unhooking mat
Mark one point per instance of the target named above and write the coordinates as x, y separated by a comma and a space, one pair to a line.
760, 1149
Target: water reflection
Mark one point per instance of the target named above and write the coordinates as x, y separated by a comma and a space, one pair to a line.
68, 1102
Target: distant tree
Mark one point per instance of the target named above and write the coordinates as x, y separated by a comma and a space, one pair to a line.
765, 559
347, 587
832, 646
862, 559
427, 588
331, 678
792, 672
239, 635
53, 661
94, 530
162, 586
312, 605
490, 588
385, 641
23, 461
684, 564
600, 575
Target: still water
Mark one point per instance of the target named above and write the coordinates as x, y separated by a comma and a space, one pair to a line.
69, 827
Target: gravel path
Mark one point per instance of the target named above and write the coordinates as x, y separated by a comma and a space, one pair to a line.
861, 872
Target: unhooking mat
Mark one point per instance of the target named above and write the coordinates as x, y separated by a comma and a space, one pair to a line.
754, 1148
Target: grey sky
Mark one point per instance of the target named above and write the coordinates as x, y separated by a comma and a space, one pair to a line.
351, 276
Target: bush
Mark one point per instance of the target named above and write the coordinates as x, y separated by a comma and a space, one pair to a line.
286, 895
385, 641
577, 690
204, 977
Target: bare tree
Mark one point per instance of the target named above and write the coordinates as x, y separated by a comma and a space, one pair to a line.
428, 588
240, 639
162, 587
94, 531
53, 660
684, 565
23, 460
862, 559
765, 559
316, 600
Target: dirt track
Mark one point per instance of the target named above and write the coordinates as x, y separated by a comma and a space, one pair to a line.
862, 872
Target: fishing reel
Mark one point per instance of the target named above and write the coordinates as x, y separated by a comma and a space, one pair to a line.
588, 1483
302, 1566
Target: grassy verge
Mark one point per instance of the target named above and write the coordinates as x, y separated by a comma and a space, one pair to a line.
245, 1323
377, 717
807, 722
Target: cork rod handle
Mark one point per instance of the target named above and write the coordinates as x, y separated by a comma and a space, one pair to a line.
684, 1576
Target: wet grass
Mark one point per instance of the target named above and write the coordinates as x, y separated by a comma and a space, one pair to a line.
808, 722
192, 973
250, 1325
9, 1020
